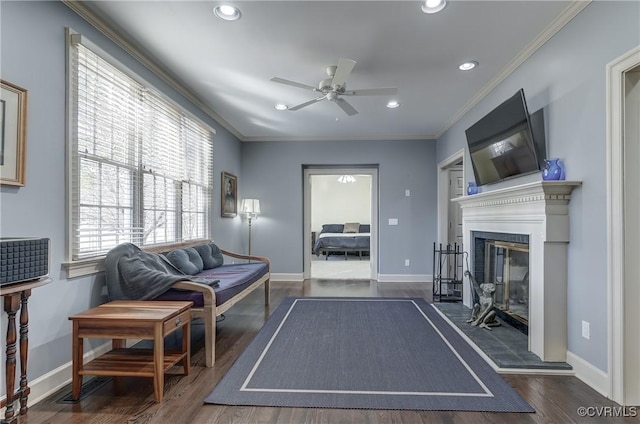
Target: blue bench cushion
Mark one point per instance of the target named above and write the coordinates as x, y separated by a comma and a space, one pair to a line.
233, 279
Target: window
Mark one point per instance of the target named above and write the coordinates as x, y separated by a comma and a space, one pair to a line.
140, 166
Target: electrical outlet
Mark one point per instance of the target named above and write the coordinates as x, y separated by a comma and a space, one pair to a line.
407, 193
407, 262
586, 331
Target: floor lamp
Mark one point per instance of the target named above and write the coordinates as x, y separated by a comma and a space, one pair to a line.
251, 209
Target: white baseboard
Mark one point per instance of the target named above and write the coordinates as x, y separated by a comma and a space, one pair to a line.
405, 278
593, 377
49, 383
294, 277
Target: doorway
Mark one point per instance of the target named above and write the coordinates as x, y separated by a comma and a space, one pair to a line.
337, 196
623, 209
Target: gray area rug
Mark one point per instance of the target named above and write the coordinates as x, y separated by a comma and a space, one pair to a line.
366, 353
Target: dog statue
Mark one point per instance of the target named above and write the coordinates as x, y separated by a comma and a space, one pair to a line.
482, 314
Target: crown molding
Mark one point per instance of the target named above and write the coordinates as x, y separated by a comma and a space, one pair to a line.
342, 138
564, 18
86, 13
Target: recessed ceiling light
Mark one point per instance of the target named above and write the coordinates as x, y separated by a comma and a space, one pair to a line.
393, 104
227, 12
433, 6
281, 106
467, 66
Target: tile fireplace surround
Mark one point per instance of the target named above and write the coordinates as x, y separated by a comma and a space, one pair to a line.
539, 210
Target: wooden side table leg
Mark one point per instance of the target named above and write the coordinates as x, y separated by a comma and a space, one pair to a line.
158, 362
77, 353
186, 346
24, 350
11, 306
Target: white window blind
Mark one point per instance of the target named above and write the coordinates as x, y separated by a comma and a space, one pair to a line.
141, 167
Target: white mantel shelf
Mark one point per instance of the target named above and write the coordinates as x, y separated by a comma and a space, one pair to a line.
531, 192
540, 210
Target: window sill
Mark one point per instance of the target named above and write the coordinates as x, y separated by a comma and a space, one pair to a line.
84, 267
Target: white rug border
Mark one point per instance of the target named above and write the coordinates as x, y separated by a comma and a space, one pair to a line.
244, 388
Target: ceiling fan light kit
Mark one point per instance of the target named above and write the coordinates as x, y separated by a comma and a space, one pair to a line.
335, 86
433, 6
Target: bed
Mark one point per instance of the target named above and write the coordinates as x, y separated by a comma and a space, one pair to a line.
343, 238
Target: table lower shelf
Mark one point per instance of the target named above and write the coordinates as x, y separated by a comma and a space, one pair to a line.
129, 362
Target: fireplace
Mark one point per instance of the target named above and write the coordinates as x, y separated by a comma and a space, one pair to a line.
507, 264
503, 259
508, 225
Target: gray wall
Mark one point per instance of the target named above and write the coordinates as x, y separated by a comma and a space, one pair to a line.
272, 172
33, 57
566, 78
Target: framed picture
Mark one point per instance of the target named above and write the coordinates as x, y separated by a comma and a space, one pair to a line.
13, 128
229, 199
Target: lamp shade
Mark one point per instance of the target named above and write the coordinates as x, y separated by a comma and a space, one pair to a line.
250, 206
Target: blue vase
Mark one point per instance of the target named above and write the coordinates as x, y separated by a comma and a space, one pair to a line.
552, 170
472, 188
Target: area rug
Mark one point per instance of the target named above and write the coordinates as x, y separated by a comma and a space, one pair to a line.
367, 353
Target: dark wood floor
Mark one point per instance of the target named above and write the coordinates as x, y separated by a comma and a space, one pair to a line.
555, 398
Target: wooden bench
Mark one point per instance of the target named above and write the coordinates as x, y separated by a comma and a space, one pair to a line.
210, 310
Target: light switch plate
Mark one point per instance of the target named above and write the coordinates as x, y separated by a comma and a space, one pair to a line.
393, 221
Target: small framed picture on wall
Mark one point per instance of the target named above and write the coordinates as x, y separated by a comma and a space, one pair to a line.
13, 128
229, 199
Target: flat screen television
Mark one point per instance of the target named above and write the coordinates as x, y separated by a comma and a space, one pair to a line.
502, 144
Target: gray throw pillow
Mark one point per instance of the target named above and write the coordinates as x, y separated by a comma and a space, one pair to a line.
211, 255
186, 260
332, 228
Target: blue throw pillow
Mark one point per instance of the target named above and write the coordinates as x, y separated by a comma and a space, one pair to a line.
186, 260
211, 255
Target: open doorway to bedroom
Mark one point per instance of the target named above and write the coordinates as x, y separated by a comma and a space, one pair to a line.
340, 223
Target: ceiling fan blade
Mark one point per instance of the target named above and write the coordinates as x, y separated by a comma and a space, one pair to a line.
345, 66
383, 91
293, 83
305, 104
346, 106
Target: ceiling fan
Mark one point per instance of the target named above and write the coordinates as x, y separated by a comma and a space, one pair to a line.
335, 86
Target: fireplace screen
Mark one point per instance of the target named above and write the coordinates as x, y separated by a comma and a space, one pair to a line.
507, 266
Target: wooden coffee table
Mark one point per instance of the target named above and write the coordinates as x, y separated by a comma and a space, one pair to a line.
121, 320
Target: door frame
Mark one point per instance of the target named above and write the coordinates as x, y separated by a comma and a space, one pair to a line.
443, 192
619, 376
308, 171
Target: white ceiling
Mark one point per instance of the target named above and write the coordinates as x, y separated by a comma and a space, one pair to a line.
228, 65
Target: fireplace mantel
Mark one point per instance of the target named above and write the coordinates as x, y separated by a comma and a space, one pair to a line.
557, 192
541, 211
